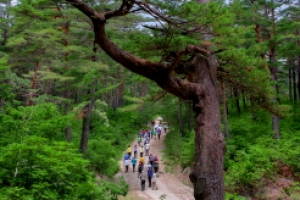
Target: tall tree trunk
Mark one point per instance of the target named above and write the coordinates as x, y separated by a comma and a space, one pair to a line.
34, 85
85, 133
253, 109
237, 100
68, 133
180, 119
275, 118
244, 100
273, 69
144, 89
6, 25
299, 73
207, 174
294, 84
121, 87
224, 105
86, 126
290, 81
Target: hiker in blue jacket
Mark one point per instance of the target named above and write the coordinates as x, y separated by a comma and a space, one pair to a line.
150, 173
133, 161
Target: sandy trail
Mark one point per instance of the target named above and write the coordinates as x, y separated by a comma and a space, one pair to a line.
169, 186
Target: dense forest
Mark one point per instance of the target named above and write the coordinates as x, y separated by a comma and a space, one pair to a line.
79, 79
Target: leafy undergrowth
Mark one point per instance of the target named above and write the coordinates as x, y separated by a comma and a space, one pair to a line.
254, 161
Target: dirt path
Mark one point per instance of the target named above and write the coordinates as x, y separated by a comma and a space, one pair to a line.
169, 186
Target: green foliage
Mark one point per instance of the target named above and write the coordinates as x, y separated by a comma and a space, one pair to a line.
188, 151
293, 191
5, 89
103, 157
229, 196
289, 151
173, 142
43, 120
37, 170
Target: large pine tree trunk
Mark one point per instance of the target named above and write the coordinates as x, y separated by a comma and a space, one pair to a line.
207, 175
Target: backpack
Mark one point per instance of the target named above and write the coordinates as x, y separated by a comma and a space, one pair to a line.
151, 158
140, 168
150, 173
143, 176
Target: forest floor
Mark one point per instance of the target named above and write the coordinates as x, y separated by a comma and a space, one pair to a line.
168, 183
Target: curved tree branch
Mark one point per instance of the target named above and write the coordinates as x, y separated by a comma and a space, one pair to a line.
158, 72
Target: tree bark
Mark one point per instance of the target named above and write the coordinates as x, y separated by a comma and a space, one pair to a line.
86, 126
207, 174
274, 69
294, 84
34, 85
68, 133
237, 100
244, 100
290, 81
299, 74
121, 88
85, 134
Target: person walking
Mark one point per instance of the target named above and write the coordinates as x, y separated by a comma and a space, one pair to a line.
139, 139
156, 166
141, 150
141, 161
129, 150
126, 157
147, 149
158, 132
133, 161
153, 184
154, 133
142, 177
150, 173
140, 169
151, 159
126, 164
135, 150
149, 166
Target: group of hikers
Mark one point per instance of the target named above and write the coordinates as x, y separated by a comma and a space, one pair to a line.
136, 156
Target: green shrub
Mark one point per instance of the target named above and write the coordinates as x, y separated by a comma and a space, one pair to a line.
43, 120
35, 170
102, 156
